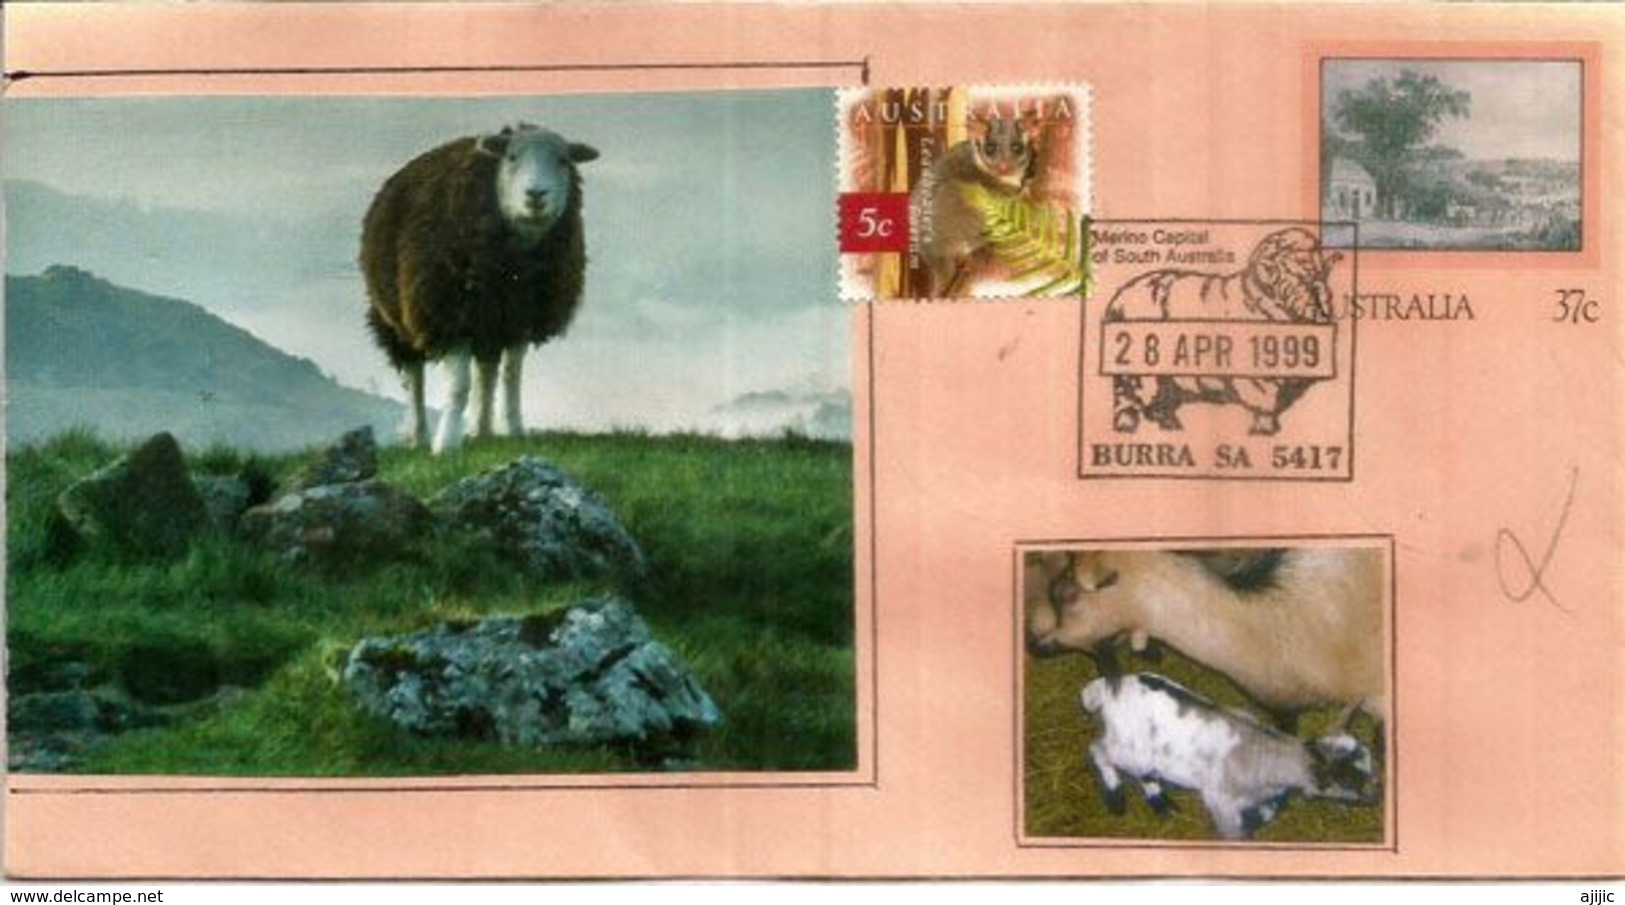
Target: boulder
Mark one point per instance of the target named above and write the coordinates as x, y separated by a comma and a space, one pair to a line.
353, 458
339, 523
143, 503
48, 732
543, 520
55, 711
92, 711
51, 753
586, 675
226, 498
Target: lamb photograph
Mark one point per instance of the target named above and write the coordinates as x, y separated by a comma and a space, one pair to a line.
400, 436
1227, 694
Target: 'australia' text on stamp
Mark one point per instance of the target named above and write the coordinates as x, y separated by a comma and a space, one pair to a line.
1212, 349
963, 192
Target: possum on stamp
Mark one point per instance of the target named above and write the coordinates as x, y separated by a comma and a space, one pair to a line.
1002, 156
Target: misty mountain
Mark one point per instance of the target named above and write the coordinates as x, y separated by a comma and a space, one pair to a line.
81, 350
226, 261
821, 414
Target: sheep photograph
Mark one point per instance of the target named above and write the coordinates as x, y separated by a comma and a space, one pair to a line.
1209, 693
399, 436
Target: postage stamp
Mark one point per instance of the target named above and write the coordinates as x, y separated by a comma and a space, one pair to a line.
964, 192
1212, 349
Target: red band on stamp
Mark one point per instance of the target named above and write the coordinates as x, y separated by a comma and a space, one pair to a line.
874, 222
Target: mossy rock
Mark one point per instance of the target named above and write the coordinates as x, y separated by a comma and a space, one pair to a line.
143, 504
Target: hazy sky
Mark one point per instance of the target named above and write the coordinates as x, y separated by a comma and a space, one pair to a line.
710, 222
1519, 108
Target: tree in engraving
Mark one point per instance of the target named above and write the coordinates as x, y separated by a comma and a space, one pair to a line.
1394, 121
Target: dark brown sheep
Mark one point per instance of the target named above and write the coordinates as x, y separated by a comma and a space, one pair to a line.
473, 252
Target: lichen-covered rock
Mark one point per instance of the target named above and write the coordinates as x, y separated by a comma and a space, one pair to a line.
339, 523
225, 497
47, 732
353, 458
50, 731
589, 674
73, 711
143, 503
543, 520
56, 711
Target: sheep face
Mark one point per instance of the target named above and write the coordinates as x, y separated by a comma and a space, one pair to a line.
1292, 268
1073, 602
1343, 768
536, 176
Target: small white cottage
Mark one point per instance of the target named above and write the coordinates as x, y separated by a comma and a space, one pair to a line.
1351, 193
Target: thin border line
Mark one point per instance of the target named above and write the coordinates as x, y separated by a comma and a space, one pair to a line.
1096, 879
23, 75
396, 789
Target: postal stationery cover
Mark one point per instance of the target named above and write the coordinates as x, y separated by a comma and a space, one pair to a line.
814, 441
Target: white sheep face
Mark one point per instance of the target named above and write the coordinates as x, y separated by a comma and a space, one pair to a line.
535, 178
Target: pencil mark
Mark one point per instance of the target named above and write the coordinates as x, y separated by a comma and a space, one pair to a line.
1533, 580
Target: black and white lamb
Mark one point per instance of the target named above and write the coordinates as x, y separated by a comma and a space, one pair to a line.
1155, 731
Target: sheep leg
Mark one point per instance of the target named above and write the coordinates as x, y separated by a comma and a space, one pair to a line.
1125, 404
1262, 398
1156, 797
1227, 817
1163, 409
513, 363
1105, 656
450, 434
1111, 782
417, 426
1256, 816
485, 388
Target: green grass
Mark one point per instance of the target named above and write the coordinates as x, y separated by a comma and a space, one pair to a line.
750, 581
1062, 796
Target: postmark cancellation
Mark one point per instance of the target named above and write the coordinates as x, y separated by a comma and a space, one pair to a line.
1213, 349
